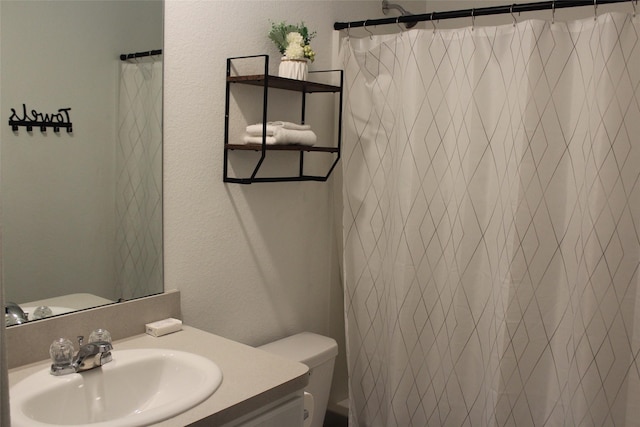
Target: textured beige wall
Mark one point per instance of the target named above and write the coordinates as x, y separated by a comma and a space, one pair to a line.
259, 262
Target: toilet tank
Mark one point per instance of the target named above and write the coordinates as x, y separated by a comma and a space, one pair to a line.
318, 353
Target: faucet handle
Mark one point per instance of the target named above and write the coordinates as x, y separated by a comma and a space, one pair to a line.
61, 352
102, 338
100, 335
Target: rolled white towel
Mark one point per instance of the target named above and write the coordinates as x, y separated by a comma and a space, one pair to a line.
284, 136
256, 130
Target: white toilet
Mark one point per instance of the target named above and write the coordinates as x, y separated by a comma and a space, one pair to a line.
318, 353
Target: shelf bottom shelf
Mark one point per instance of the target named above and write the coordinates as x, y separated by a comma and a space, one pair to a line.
275, 179
287, 147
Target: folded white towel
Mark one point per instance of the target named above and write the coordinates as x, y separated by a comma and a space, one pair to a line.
250, 139
284, 136
256, 130
289, 125
290, 136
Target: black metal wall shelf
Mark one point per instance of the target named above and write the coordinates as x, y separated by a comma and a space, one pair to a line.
258, 147
266, 82
284, 83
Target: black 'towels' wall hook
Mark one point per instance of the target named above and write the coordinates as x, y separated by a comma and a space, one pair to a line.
58, 120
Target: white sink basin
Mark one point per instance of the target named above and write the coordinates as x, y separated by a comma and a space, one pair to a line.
138, 388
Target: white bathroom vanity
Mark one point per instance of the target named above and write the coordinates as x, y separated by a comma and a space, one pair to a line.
257, 389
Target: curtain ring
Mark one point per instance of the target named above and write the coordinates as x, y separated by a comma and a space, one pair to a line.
367, 30
634, 3
473, 19
349, 29
433, 22
595, 10
399, 26
553, 12
515, 21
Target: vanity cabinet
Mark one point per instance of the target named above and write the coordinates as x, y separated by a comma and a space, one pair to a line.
266, 83
286, 412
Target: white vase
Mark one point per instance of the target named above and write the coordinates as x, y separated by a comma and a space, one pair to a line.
293, 68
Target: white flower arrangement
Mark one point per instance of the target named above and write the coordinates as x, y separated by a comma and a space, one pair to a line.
293, 41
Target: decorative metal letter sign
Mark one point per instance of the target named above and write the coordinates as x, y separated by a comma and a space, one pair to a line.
58, 120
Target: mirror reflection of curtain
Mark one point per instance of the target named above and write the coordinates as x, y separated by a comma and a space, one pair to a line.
491, 225
139, 180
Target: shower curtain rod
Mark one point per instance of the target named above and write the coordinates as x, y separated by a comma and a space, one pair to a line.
482, 11
126, 56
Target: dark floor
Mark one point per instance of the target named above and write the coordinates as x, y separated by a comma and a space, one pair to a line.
331, 419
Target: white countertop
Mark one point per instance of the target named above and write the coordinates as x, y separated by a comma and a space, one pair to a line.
252, 378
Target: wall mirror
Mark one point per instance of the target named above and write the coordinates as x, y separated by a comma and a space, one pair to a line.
81, 211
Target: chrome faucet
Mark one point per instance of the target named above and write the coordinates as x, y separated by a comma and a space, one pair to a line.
14, 315
92, 355
89, 356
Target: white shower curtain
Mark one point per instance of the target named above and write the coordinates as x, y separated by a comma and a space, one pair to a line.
492, 225
139, 180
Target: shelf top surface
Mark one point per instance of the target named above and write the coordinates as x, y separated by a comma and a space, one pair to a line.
284, 83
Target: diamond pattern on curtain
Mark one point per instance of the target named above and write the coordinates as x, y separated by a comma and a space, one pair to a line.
491, 225
139, 180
